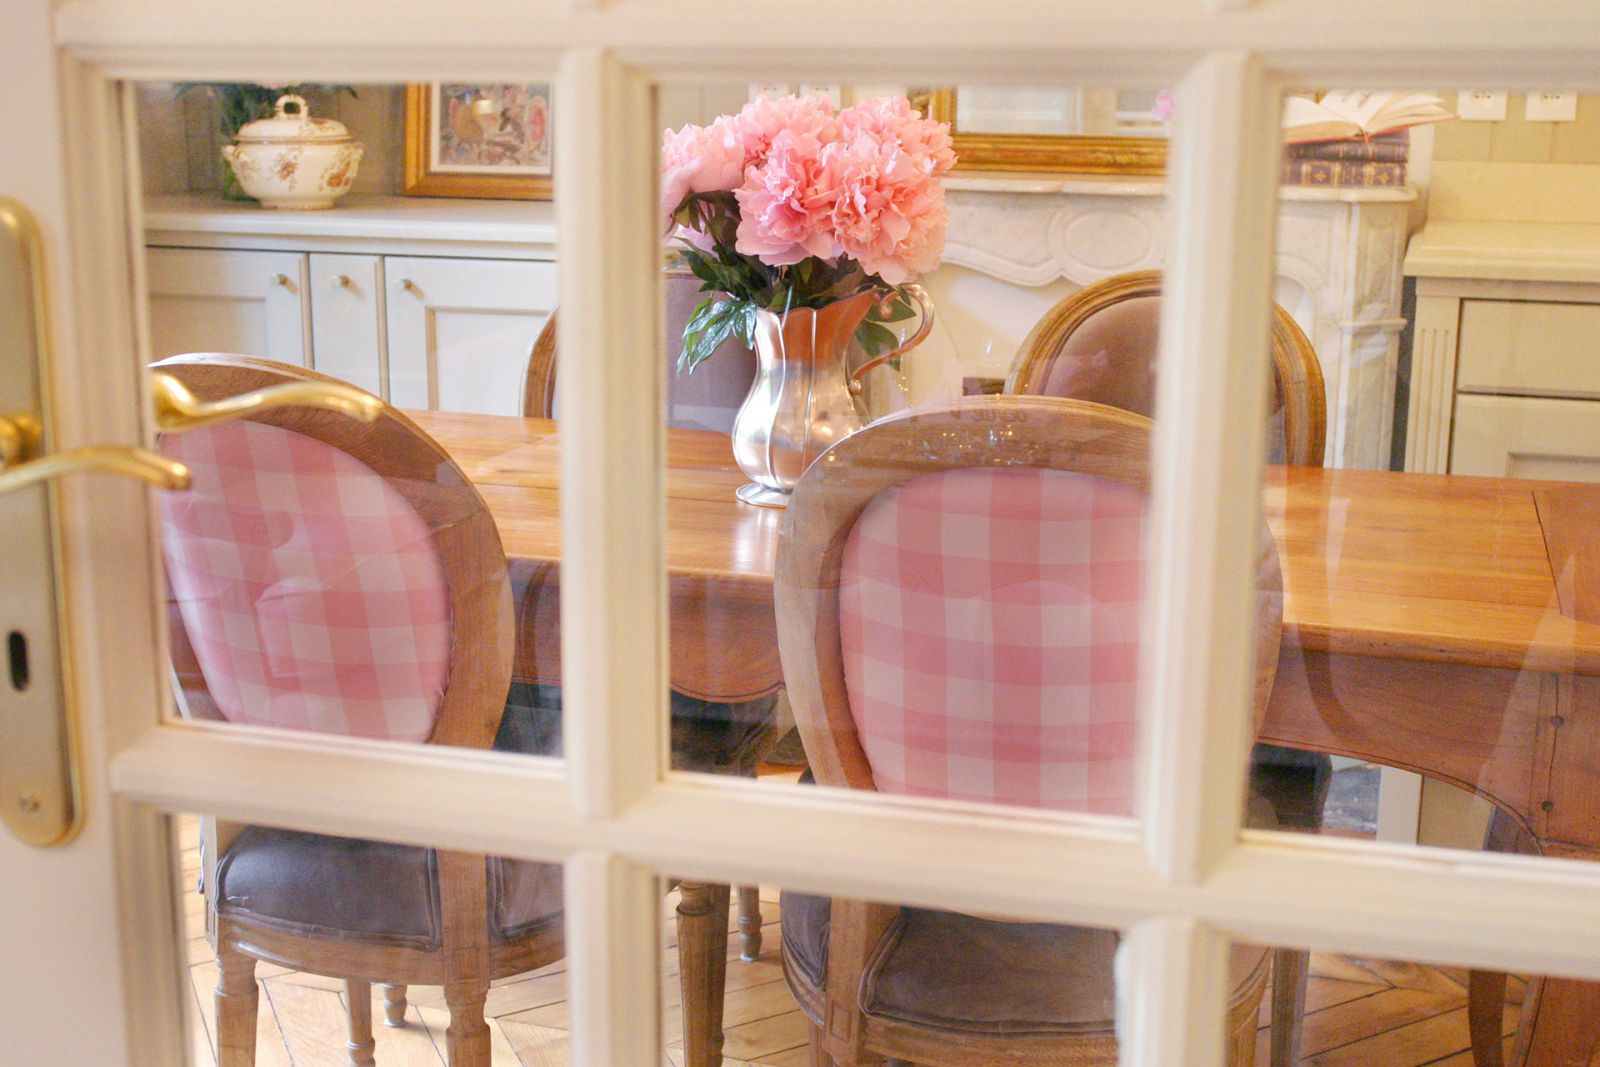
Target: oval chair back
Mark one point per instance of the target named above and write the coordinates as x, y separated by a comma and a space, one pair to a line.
1100, 344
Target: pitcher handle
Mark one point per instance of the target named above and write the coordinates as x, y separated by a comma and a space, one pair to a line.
925, 307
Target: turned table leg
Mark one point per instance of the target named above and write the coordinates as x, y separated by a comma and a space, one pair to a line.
702, 969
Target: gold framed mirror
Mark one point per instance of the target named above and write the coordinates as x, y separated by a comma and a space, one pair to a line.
1014, 142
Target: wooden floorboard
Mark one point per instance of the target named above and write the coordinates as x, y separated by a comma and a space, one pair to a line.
1360, 1012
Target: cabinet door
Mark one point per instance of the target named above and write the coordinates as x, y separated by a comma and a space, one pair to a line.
1526, 437
207, 300
460, 330
346, 318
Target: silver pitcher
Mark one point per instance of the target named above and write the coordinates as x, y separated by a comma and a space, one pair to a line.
804, 397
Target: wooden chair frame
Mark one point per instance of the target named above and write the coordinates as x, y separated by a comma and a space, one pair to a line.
482, 640
1296, 371
991, 431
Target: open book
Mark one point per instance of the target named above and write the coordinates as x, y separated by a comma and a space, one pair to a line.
1358, 113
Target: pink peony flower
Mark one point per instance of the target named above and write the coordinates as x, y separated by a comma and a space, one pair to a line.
888, 212
700, 159
783, 215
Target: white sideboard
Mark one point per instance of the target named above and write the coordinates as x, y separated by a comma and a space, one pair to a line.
1505, 362
428, 303
436, 302
1338, 273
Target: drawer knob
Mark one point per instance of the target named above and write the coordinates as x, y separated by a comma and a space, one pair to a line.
407, 284
281, 279
341, 281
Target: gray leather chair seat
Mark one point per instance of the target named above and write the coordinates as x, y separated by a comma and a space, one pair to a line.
957, 972
369, 891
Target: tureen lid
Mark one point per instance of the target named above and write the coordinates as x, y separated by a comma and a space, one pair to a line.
292, 121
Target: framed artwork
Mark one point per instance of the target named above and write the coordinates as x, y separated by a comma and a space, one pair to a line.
1039, 130
488, 141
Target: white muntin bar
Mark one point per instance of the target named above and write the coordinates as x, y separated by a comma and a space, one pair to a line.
611, 383
1172, 994
613, 910
1199, 647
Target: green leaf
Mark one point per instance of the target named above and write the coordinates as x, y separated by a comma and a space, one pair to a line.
707, 329
875, 339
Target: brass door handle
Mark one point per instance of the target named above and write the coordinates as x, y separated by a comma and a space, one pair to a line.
137, 463
179, 409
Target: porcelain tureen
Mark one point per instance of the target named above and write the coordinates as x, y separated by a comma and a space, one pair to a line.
292, 161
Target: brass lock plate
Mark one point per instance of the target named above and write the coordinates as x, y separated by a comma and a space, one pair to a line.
39, 797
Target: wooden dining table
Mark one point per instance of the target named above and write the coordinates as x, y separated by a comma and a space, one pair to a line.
1442, 624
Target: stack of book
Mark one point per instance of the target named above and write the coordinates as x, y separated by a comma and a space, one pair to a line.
1353, 138
1353, 161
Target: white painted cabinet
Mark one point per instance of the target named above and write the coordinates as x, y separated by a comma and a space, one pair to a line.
347, 318
1505, 357
460, 330
206, 300
429, 304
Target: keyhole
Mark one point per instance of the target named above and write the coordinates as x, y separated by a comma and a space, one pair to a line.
17, 658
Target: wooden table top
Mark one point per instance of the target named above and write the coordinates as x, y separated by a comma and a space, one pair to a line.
1409, 566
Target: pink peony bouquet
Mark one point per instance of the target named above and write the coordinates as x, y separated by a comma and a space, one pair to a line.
793, 204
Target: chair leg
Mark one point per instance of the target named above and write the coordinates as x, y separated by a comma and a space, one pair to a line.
1290, 969
394, 1005
362, 1046
237, 1002
1486, 997
702, 969
749, 923
467, 1039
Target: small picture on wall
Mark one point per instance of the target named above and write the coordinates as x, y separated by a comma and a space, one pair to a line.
478, 141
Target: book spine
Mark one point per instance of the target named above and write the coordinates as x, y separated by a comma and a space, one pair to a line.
1343, 173
1355, 151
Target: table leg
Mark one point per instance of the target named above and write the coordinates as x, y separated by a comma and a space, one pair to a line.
702, 969
1565, 1030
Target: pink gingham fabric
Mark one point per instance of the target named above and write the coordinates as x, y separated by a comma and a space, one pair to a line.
311, 590
989, 622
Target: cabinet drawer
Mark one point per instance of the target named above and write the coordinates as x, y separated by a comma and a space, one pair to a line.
1526, 437
1529, 348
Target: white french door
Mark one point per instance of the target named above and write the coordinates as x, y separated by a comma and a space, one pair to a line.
87, 936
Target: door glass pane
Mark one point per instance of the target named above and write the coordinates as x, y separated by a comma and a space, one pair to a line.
326, 574
312, 948
960, 616
1435, 619
916, 981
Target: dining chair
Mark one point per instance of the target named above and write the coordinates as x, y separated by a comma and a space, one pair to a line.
345, 578
902, 546
1100, 343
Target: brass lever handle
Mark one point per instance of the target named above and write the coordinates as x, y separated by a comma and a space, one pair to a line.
137, 463
179, 409
19, 436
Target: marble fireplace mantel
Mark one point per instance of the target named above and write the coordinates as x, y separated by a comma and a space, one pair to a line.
1338, 265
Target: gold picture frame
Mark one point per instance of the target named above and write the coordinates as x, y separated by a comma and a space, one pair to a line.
1040, 154
517, 137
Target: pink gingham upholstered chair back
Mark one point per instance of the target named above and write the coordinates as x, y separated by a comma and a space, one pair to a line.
958, 595
1099, 344
332, 575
